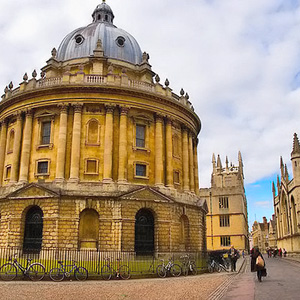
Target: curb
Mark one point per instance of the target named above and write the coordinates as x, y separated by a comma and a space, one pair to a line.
222, 288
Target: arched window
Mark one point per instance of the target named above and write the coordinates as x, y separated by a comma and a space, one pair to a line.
88, 229
144, 232
11, 141
93, 132
184, 232
33, 234
294, 216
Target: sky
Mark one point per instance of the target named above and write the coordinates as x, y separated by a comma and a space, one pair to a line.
238, 60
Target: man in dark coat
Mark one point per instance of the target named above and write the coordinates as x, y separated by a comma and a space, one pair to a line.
233, 255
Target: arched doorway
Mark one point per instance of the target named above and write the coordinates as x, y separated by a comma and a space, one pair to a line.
33, 234
144, 232
89, 229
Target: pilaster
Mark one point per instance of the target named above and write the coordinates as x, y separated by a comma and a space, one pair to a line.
3, 137
159, 150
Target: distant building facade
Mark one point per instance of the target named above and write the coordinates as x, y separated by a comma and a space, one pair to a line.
287, 203
264, 234
227, 218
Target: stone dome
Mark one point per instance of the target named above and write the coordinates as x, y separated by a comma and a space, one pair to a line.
116, 42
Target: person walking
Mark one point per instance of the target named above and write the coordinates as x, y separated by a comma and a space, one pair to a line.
258, 263
233, 255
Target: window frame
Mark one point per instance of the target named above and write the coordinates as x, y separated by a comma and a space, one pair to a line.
146, 168
10, 148
225, 240
142, 121
87, 142
223, 202
45, 118
224, 220
43, 160
179, 177
86, 165
6, 178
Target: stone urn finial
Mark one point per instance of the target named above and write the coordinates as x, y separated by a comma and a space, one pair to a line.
182, 92
34, 73
53, 53
25, 77
167, 83
157, 78
43, 74
11, 85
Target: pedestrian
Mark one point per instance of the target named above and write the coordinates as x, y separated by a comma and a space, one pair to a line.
280, 252
233, 255
258, 263
284, 252
243, 253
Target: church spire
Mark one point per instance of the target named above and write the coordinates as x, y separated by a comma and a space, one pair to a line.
296, 146
214, 163
219, 164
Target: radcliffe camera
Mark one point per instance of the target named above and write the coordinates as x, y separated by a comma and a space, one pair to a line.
127, 158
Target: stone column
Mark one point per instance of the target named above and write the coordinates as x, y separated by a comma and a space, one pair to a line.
3, 137
185, 159
16, 150
196, 167
75, 150
26, 147
122, 173
62, 144
159, 150
191, 163
108, 144
169, 153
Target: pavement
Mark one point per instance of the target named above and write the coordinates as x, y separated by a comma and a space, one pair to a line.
280, 283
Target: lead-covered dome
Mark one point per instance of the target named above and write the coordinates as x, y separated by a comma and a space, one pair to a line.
116, 43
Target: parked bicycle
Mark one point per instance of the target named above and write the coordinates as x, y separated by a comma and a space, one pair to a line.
188, 265
170, 267
215, 266
9, 271
107, 271
58, 274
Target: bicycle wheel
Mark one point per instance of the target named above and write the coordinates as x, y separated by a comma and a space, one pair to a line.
8, 272
161, 271
217, 268
124, 272
81, 273
57, 274
210, 268
185, 270
106, 272
193, 268
175, 270
36, 272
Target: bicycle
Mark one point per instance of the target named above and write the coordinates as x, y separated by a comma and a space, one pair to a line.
58, 274
188, 265
35, 271
213, 266
170, 267
107, 271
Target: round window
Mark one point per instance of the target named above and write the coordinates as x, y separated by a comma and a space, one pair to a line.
120, 41
79, 39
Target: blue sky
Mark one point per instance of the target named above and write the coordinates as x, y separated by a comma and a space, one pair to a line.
238, 60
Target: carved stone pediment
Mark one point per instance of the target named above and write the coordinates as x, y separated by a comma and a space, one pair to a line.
146, 194
33, 191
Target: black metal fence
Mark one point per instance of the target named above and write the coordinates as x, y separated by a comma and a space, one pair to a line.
93, 261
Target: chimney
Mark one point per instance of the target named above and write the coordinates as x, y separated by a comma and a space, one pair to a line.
265, 222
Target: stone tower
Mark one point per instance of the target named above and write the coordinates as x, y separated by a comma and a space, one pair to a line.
227, 218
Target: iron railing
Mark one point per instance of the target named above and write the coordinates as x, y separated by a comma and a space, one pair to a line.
93, 260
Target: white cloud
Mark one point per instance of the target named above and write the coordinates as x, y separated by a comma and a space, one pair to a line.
238, 60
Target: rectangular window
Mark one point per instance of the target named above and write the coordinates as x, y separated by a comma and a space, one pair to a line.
224, 221
176, 177
223, 202
7, 173
140, 136
42, 167
46, 132
140, 170
225, 241
91, 166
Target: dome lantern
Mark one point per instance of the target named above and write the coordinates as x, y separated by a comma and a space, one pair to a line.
103, 13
